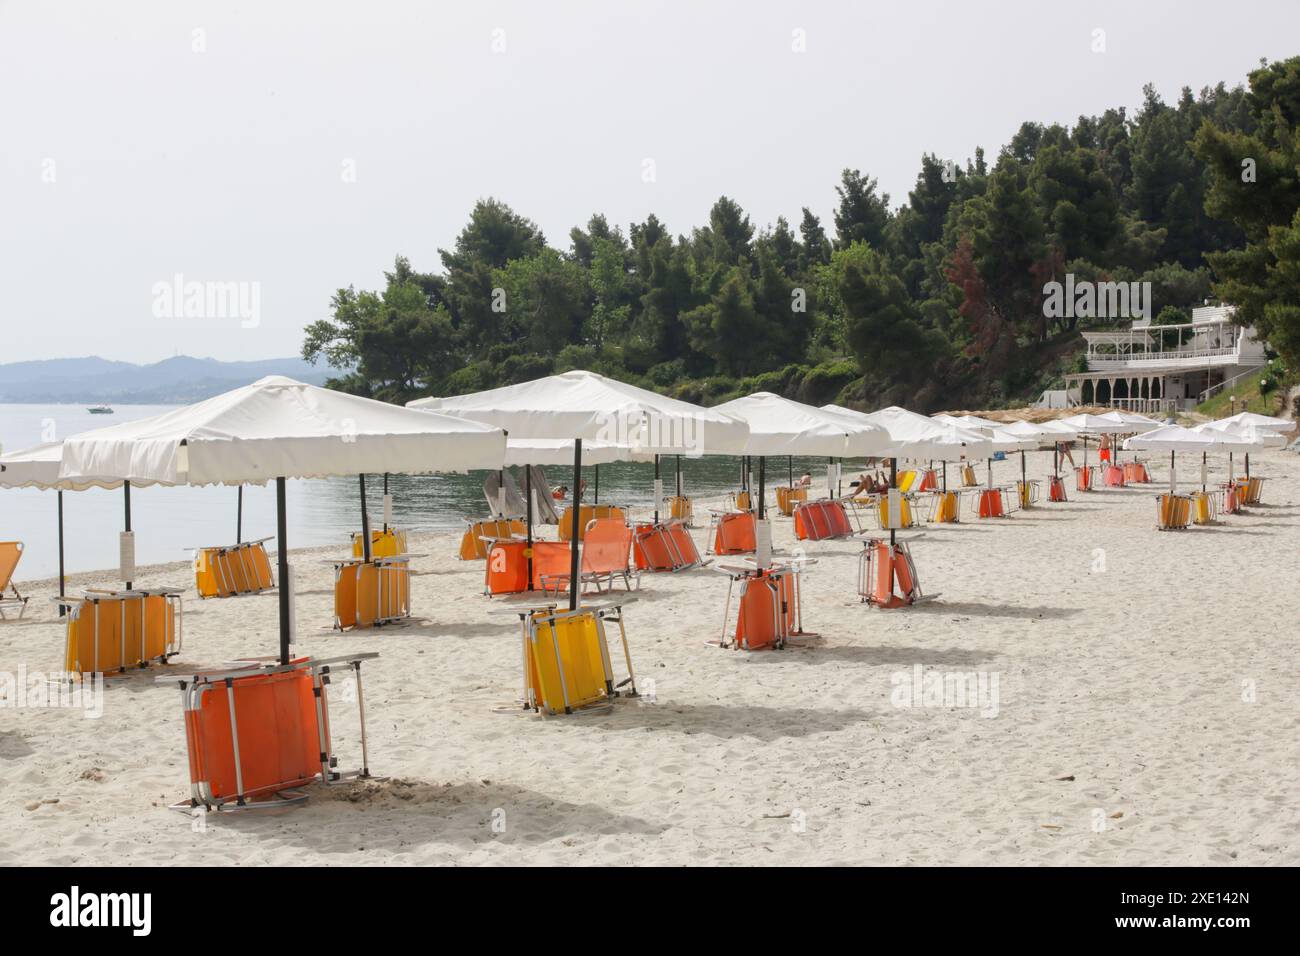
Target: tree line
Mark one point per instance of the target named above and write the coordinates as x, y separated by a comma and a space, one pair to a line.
934, 302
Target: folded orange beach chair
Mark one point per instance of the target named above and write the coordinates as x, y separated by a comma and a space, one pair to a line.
10, 554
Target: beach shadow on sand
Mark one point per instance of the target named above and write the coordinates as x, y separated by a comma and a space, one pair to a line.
884, 655
399, 814
730, 722
976, 609
13, 746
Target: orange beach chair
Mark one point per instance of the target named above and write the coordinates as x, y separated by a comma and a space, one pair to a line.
11, 553
881, 566
818, 520
732, 532
115, 630
256, 731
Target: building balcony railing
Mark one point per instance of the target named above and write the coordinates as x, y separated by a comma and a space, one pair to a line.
1102, 361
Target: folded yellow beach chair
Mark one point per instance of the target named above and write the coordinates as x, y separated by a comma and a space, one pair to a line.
566, 659
786, 498
113, 630
1173, 512
383, 544
479, 535
968, 479
230, 570
906, 479
586, 514
944, 508
10, 554
1203, 508
371, 593
680, 509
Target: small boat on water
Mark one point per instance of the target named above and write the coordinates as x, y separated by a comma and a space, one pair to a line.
100, 409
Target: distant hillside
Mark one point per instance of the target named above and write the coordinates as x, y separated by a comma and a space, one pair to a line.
173, 380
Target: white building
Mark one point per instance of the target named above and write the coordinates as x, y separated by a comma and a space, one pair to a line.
1164, 368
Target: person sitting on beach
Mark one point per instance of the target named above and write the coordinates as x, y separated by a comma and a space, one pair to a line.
805, 481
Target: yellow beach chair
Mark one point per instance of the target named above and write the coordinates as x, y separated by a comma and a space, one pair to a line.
1173, 512
383, 544
372, 593
230, 570
787, 498
114, 630
968, 479
586, 514
680, 509
479, 535
566, 659
945, 508
11, 553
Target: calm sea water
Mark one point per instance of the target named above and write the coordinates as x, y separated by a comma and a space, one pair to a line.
168, 522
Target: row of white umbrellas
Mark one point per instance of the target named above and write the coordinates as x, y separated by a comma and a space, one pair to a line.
277, 429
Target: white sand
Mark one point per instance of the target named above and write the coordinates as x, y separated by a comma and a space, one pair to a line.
1120, 701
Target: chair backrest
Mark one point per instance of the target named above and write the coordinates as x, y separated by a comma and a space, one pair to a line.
607, 546
550, 559
10, 552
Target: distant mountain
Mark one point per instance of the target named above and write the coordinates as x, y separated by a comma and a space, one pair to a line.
174, 380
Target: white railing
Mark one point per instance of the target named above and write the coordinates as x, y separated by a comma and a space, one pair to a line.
1144, 405
1215, 389
1166, 356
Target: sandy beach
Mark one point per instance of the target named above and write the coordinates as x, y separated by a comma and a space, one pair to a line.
1146, 713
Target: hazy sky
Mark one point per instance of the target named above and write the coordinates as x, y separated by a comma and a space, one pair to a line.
302, 145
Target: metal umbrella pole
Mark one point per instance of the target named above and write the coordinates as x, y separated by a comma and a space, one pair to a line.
528, 522
126, 499
893, 483
62, 609
282, 542
679, 476
656, 489
762, 481
595, 495
385, 499
573, 540
365, 521
239, 515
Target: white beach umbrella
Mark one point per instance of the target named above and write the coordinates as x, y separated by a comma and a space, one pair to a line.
780, 426
1136, 423
279, 428
38, 467
1086, 424
1175, 438
1267, 422
580, 406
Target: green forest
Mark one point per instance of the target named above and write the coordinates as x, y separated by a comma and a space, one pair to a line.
935, 302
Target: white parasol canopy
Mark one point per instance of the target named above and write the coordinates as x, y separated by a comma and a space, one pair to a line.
922, 437
1086, 424
280, 428
559, 451
1267, 437
1040, 432
38, 467
1267, 422
1133, 421
779, 426
588, 406
1172, 438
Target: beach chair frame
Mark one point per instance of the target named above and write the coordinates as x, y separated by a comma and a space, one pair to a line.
278, 792
250, 566
392, 600
7, 584
128, 602
573, 692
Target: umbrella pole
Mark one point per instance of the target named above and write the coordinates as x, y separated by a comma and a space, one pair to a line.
573, 537
893, 483
239, 515
385, 499
62, 609
790, 464
679, 476
595, 492
282, 559
1204, 463
528, 521
1248, 466
126, 498
839, 481
1173, 488
945, 476
762, 480
656, 489
365, 522
1023, 477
